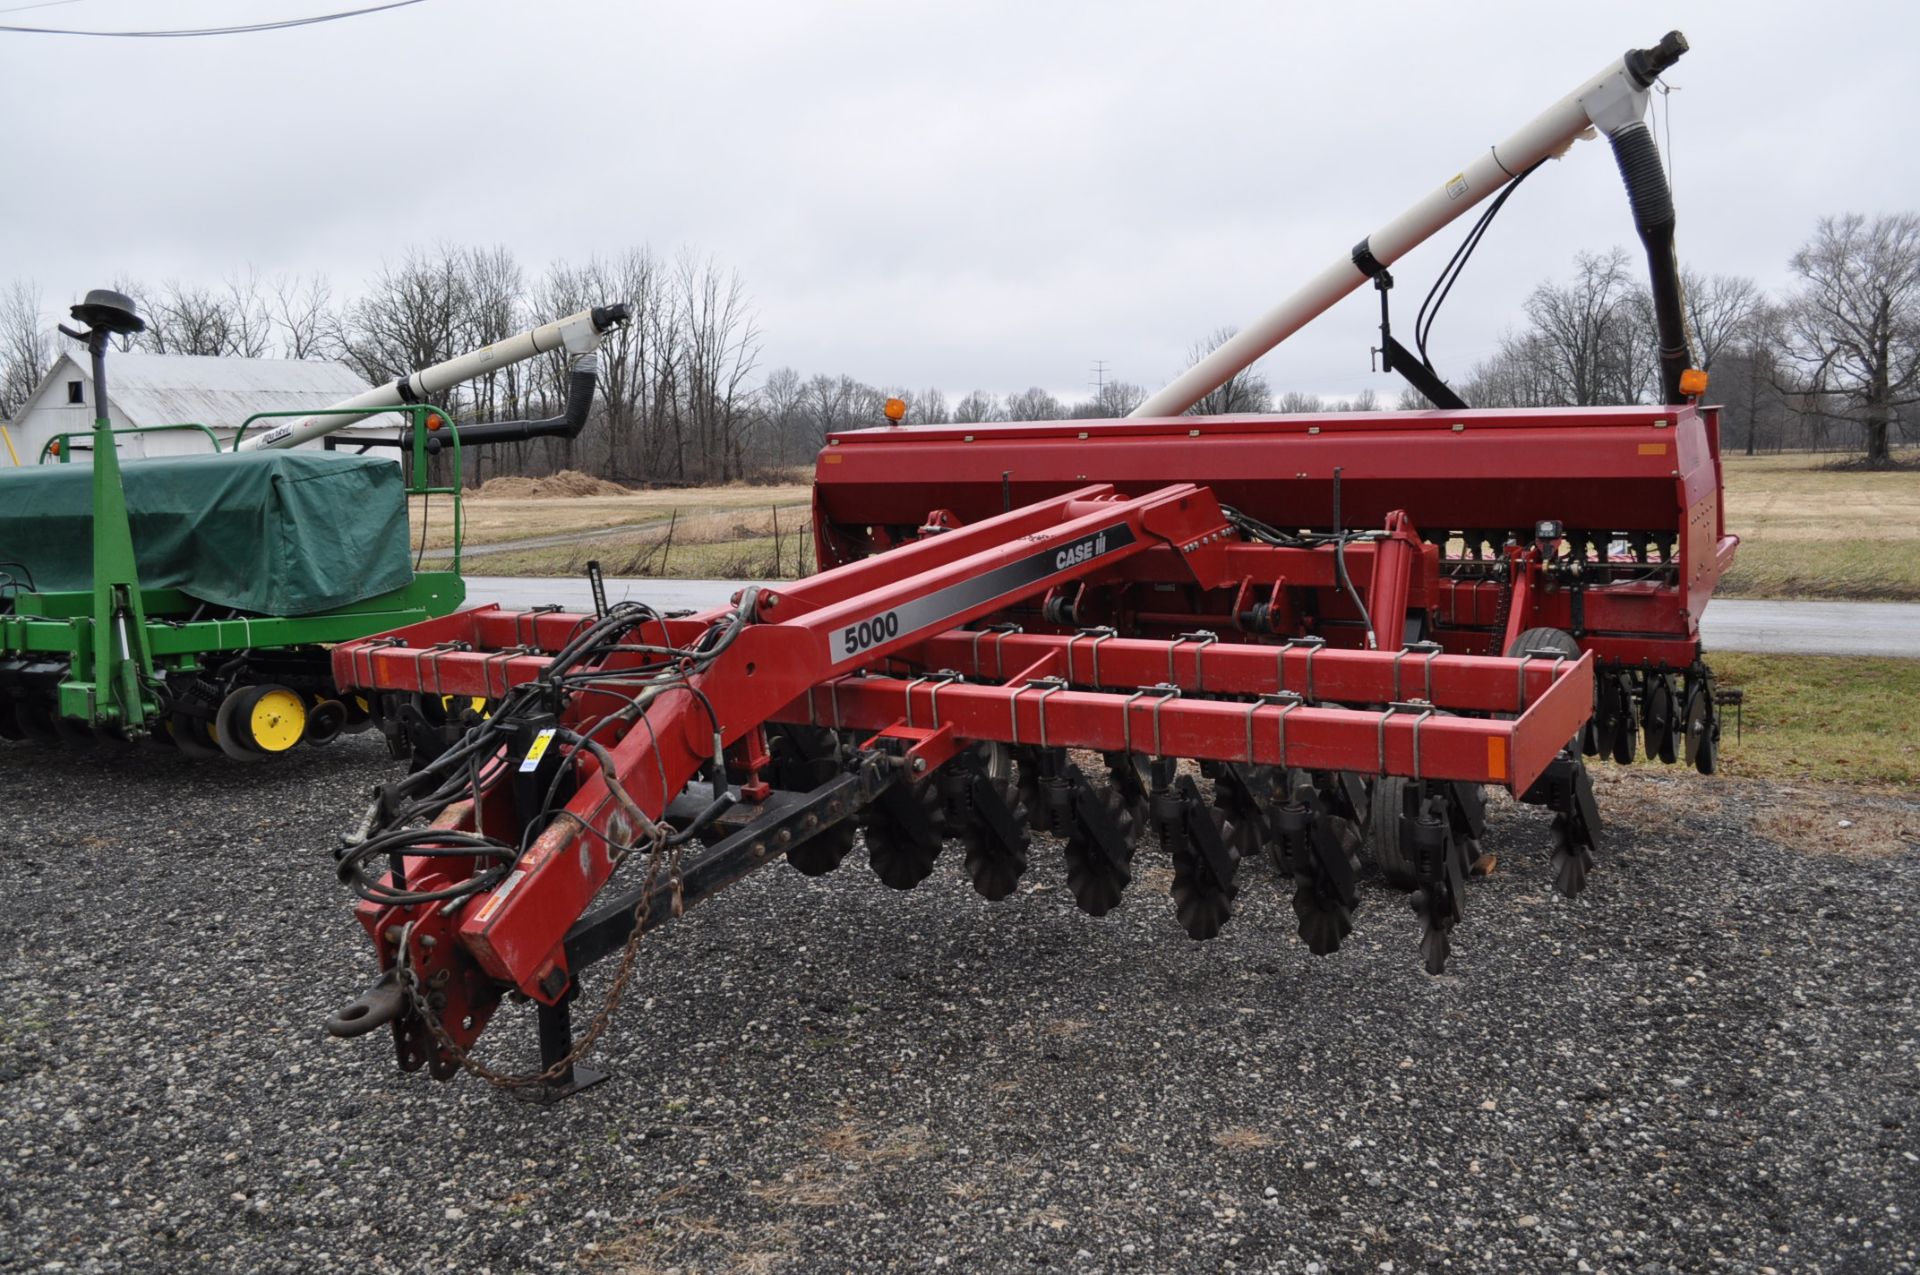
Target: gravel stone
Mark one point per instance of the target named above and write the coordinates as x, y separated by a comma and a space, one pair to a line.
1710, 1062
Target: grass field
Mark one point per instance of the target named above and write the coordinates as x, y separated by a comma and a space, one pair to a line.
1824, 718
1811, 532
768, 540
493, 520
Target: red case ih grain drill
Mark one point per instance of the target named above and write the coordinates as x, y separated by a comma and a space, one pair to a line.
1352, 623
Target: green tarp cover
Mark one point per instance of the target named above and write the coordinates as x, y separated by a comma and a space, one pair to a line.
271, 532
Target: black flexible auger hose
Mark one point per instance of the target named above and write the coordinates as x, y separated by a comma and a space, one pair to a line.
1646, 180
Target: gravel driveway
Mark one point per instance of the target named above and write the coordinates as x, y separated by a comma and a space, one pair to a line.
1711, 1062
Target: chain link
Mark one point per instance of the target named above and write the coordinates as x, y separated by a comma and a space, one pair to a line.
584, 1043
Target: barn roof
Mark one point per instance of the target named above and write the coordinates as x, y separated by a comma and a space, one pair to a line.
219, 392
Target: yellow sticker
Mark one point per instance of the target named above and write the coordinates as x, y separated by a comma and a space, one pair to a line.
535, 751
1653, 449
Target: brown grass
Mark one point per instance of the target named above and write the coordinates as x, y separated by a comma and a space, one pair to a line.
1845, 825
1241, 1139
1810, 531
857, 1145
1878, 824
491, 519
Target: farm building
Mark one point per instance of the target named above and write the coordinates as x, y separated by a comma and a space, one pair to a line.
172, 389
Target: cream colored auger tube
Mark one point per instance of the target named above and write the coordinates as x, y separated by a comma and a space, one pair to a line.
580, 333
1610, 100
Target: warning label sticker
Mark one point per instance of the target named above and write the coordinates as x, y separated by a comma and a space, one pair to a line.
1456, 185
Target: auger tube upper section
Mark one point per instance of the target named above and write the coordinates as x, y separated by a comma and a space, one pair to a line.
578, 334
1611, 101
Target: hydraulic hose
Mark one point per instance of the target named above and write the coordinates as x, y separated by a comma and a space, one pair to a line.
1647, 190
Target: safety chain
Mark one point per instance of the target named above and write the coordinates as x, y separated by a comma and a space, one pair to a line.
410, 979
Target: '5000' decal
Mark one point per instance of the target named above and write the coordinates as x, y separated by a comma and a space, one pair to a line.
942, 605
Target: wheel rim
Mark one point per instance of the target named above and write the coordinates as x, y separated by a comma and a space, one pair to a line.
276, 720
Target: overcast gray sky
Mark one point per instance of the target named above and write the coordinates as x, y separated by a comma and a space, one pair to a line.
990, 194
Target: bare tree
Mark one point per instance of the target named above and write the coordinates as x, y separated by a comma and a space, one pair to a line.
26, 345
1721, 311
249, 319
928, 407
1244, 391
1587, 330
1113, 400
1034, 404
1294, 401
722, 347
978, 405
1853, 329
412, 315
189, 318
300, 309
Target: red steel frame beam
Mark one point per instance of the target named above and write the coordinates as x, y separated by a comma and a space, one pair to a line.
841, 621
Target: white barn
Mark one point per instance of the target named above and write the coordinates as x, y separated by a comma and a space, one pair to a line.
173, 389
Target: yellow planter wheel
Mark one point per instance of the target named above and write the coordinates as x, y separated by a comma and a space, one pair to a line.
257, 721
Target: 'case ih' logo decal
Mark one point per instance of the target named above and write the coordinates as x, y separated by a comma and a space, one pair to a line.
943, 607
1074, 555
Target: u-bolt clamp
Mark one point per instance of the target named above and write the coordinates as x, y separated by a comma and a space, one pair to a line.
1099, 634
1520, 675
1312, 643
1420, 706
1286, 702
1428, 649
1166, 691
1000, 632
939, 680
1204, 638
1047, 686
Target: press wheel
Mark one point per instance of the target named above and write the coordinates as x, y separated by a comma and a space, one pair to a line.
229, 733
325, 720
1387, 803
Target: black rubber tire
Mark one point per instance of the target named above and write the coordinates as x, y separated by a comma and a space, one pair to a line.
1544, 639
228, 732
326, 721
1386, 803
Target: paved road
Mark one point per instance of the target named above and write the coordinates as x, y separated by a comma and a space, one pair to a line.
1798, 628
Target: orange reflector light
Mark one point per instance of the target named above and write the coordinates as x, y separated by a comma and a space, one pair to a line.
53, 448
1496, 757
896, 410
1693, 382
434, 421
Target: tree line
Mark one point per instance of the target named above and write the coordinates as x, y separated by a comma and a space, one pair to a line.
1833, 363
